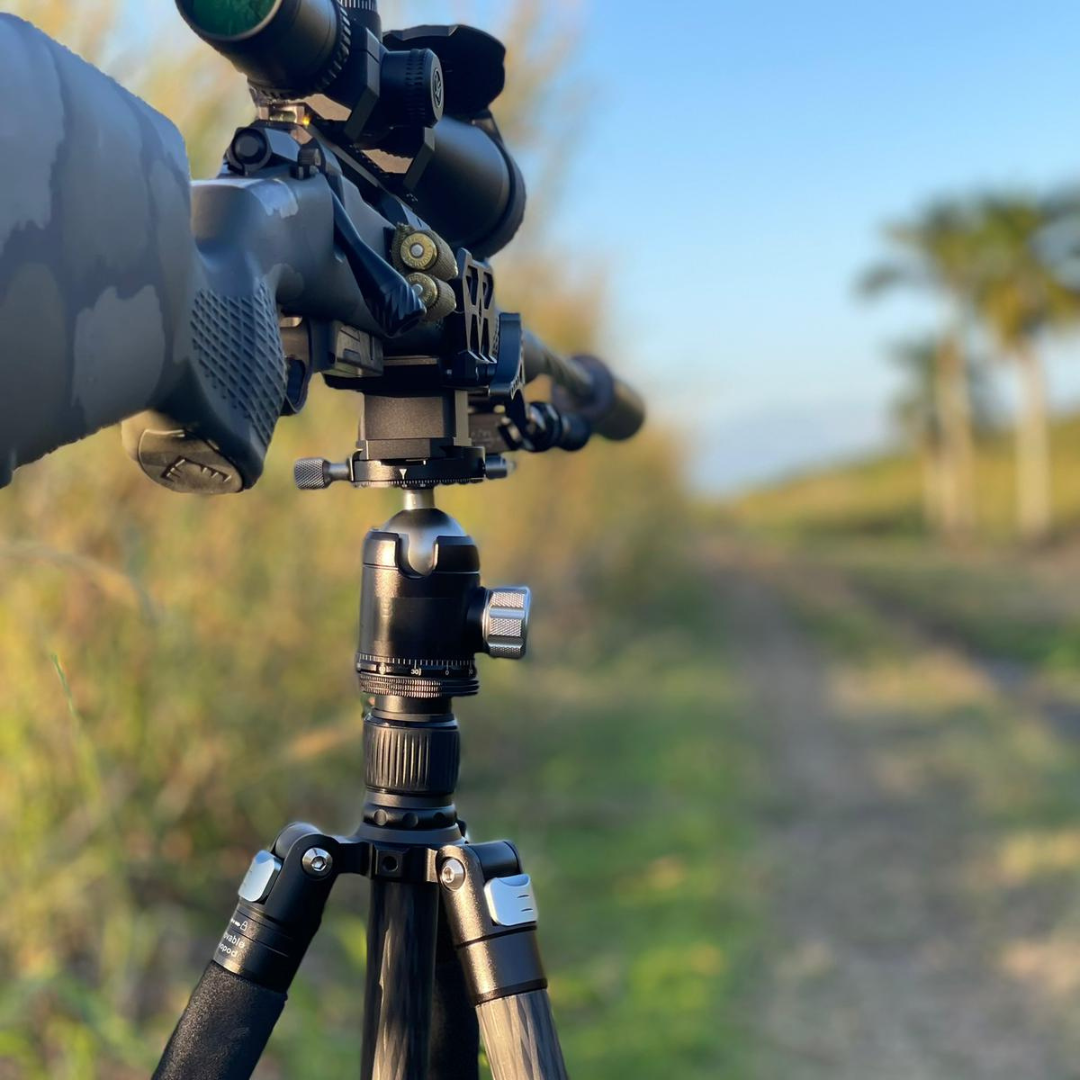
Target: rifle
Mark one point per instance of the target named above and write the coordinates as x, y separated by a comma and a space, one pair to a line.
346, 235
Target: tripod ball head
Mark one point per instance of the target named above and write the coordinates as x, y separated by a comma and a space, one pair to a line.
424, 614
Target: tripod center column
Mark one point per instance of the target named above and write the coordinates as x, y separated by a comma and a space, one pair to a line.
420, 626
418, 638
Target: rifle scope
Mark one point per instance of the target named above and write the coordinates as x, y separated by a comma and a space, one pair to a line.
471, 190
286, 48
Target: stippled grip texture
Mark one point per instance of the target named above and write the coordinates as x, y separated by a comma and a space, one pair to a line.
520, 1038
238, 350
223, 1031
212, 435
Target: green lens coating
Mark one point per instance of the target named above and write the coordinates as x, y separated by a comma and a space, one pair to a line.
229, 18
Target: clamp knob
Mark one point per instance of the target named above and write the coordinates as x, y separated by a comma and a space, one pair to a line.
504, 624
315, 474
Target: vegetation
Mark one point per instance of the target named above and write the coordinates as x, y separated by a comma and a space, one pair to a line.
936, 254
989, 259
882, 496
866, 520
1020, 299
918, 413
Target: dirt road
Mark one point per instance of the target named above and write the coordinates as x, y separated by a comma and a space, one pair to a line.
897, 947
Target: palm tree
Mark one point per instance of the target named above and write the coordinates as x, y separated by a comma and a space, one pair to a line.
936, 253
1021, 299
917, 413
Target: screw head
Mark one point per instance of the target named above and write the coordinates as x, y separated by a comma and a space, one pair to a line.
317, 862
452, 874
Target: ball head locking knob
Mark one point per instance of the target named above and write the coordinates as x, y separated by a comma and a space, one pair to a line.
505, 622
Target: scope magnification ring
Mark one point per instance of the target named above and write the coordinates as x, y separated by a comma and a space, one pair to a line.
330, 73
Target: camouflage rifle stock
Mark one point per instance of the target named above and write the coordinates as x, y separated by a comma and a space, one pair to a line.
127, 291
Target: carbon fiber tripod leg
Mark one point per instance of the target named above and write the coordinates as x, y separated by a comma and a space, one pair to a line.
455, 1034
398, 984
520, 1038
233, 1010
492, 918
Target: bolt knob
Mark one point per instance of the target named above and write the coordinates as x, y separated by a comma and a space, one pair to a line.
505, 623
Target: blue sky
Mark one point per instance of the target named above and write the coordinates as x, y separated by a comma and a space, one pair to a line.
739, 160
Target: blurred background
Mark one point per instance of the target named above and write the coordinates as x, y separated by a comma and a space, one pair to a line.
794, 759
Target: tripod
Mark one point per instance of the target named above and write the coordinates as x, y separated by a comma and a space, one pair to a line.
452, 925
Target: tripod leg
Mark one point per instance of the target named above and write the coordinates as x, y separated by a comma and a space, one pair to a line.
399, 980
233, 1010
455, 1034
224, 1029
492, 917
520, 1037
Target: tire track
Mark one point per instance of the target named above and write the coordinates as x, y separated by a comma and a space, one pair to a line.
877, 966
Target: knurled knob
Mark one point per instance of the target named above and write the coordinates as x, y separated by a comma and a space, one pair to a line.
505, 626
315, 474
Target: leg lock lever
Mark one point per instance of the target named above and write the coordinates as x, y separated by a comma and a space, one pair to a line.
492, 915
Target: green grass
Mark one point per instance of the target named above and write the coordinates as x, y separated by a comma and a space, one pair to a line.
882, 496
879, 496
864, 520
635, 822
622, 779
911, 700
997, 604
1001, 605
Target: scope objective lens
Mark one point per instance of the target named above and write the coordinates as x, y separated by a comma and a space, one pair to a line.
229, 18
